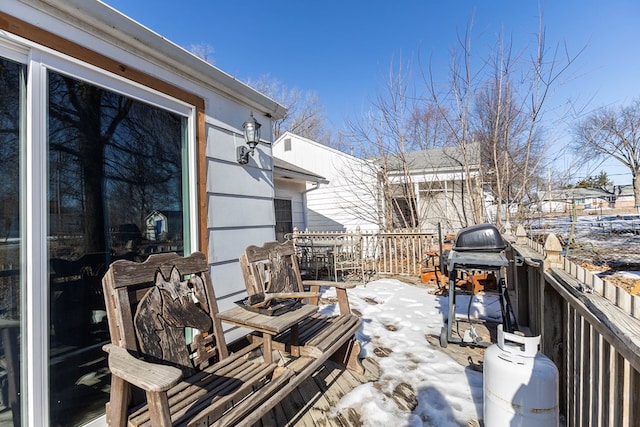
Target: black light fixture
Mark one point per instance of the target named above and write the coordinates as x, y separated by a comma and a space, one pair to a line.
252, 138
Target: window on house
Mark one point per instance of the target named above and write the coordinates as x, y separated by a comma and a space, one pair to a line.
116, 174
405, 214
287, 144
432, 187
284, 218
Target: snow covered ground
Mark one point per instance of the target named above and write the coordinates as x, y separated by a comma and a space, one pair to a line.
607, 244
397, 317
610, 236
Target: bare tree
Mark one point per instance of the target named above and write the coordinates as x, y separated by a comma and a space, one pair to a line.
408, 146
384, 135
305, 114
454, 106
613, 132
10, 116
427, 128
504, 114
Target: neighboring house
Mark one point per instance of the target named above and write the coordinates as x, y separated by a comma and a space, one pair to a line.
103, 122
550, 202
581, 198
445, 184
344, 201
351, 197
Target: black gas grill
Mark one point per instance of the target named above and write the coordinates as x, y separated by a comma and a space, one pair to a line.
477, 248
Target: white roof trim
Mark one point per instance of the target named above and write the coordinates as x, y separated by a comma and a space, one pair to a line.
289, 134
106, 22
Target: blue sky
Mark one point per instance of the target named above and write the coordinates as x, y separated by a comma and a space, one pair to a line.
342, 50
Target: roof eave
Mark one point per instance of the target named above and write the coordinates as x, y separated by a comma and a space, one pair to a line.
139, 39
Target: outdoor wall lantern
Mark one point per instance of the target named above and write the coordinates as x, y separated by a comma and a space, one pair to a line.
251, 136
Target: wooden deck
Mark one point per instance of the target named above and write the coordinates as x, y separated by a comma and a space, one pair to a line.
312, 403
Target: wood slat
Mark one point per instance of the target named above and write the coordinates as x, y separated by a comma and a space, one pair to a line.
569, 363
126, 273
186, 393
319, 405
240, 410
221, 368
322, 391
316, 348
616, 326
308, 328
634, 393
326, 378
578, 370
607, 372
596, 360
264, 323
619, 396
294, 409
220, 383
326, 333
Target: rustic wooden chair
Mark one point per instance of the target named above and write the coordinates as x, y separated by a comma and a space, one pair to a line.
151, 307
273, 267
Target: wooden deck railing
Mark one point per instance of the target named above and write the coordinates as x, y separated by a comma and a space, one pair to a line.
385, 253
589, 328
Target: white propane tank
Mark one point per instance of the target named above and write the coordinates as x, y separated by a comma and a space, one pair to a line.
520, 384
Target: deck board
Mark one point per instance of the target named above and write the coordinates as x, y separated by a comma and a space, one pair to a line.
311, 404
318, 405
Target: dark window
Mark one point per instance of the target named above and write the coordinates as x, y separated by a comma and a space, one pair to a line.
284, 218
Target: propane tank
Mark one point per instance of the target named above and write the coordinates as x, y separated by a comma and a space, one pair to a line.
520, 384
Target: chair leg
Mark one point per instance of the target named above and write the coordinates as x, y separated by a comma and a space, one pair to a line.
116, 408
343, 301
159, 409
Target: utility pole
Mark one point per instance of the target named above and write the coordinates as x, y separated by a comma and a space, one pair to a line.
549, 188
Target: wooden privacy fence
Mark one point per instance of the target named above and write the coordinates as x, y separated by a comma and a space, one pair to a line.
383, 253
588, 327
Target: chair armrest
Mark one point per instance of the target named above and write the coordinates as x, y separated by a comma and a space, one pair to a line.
148, 376
341, 291
339, 285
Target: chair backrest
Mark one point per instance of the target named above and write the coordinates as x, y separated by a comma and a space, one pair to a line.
151, 305
272, 267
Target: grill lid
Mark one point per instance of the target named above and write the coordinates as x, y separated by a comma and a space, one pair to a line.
481, 237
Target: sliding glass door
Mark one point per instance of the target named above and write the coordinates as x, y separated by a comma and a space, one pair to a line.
115, 163
115, 175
